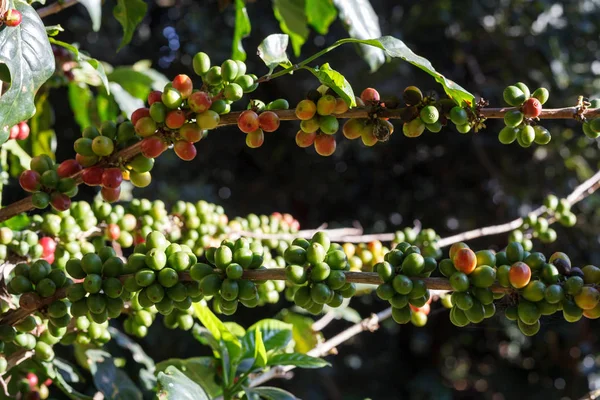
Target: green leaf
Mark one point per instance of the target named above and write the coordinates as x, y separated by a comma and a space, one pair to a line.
174, 385
275, 335
80, 97
67, 389
305, 339
94, 8
110, 380
67, 46
272, 51
292, 20
201, 370
42, 138
27, 53
362, 22
127, 103
396, 48
129, 13
260, 353
54, 30
297, 360
218, 330
18, 222
159, 80
21, 155
147, 376
320, 14
242, 30
98, 69
67, 370
336, 81
235, 328
135, 82
270, 393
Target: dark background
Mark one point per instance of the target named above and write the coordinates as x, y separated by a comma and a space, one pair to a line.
448, 181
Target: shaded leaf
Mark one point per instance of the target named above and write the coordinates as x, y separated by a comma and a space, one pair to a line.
201, 370
94, 8
272, 51
67, 389
67, 46
270, 393
174, 385
297, 360
159, 80
305, 339
80, 97
27, 54
362, 22
139, 355
67, 370
275, 335
129, 13
110, 380
320, 14
292, 20
108, 110
336, 81
242, 30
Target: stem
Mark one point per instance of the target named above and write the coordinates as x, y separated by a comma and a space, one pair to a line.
55, 7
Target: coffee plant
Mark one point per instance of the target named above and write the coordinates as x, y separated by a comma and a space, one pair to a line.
71, 268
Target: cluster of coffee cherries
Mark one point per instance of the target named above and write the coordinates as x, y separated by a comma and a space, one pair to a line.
591, 128
31, 388
317, 268
318, 124
520, 122
260, 118
48, 183
11, 18
19, 132
24, 245
538, 226
408, 295
182, 115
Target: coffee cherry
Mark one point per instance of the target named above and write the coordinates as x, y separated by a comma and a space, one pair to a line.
513, 118
86, 161
102, 146
248, 121
12, 18
201, 63
412, 96
30, 181
532, 108
279, 104
414, 128
325, 145
542, 135
429, 114
153, 146
158, 112
23, 131
213, 76
138, 114
112, 178
92, 176
513, 96
208, 119
268, 121
68, 168
183, 84
199, 102
174, 120
340, 106
255, 139
171, 98
465, 260
368, 136
541, 94
14, 132
305, 139
306, 109
185, 150
526, 136
233, 92
59, 201
370, 94
326, 105
353, 128
141, 163
190, 132
145, 127
154, 97
110, 195
329, 125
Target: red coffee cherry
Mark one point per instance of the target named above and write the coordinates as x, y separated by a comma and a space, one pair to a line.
248, 121
48, 245
112, 178
68, 168
199, 102
60, 201
23, 131
370, 94
185, 150
268, 121
153, 146
325, 145
12, 18
30, 181
175, 119
92, 176
184, 84
532, 108
113, 232
304, 139
190, 132
154, 96
110, 195
138, 114
14, 132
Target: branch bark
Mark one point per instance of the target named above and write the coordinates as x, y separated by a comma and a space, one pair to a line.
55, 7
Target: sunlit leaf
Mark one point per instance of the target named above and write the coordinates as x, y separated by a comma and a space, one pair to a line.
292, 20
129, 13
242, 30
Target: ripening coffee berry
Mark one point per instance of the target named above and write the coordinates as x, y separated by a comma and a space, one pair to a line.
248, 121
103, 146
68, 168
233, 92
153, 146
508, 135
370, 94
326, 105
268, 121
325, 145
305, 139
190, 132
412, 96
171, 97
23, 131
306, 109
367, 135
138, 114
158, 112
14, 132
30, 181
532, 108
199, 102
429, 114
112, 178
465, 260
12, 18
184, 85
208, 119
353, 128
110, 195
92, 176
140, 179
113, 231
145, 127
255, 139
413, 128
519, 275
59, 201
185, 150
154, 96
175, 119
340, 106
329, 124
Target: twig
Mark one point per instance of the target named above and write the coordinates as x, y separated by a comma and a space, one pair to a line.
321, 323
333, 234
55, 7
370, 324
